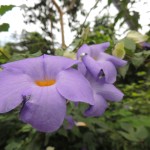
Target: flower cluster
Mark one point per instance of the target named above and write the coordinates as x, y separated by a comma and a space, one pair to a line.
44, 84
99, 68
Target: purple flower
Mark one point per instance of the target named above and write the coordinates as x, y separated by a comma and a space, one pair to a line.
102, 91
145, 45
42, 84
70, 122
97, 62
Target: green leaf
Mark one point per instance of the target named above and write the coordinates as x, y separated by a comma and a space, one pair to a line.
35, 54
137, 60
5, 53
129, 44
26, 128
136, 134
12, 145
4, 27
128, 136
76, 42
71, 55
5, 8
146, 54
120, 14
141, 73
85, 33
137, 121
119, 50
123, 70
137, 37
127, 127
50, 148
59, 52
142, 133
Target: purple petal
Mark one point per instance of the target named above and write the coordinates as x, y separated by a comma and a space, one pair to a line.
95, 68
82, 68
116, 61
54, 64
98, 108
71, 122
92, 66
31, 66
145, 45
42, 67
83, 49
72, 85
97, 48
12, 85
45, 110
109, 70
110, 92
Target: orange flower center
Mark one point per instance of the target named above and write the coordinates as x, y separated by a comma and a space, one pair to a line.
45, 82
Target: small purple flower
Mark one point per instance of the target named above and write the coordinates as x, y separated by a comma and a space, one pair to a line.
145, 45
96, 61
71, 122
42, 84
102, 91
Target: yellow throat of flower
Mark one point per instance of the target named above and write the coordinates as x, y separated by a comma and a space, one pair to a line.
45, 82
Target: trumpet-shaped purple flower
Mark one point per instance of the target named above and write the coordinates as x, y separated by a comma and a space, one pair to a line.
102, 91
96, 61
42, 84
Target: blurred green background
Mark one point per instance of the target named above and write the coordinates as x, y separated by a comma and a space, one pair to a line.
125, 125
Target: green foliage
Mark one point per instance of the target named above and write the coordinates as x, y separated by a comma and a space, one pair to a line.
137, 37
129, 45
5, 8
126, 15
31, 45
119, 50
50, 15
4, 55
139, 58
35, 42
123, 70
4, 27
134, 53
